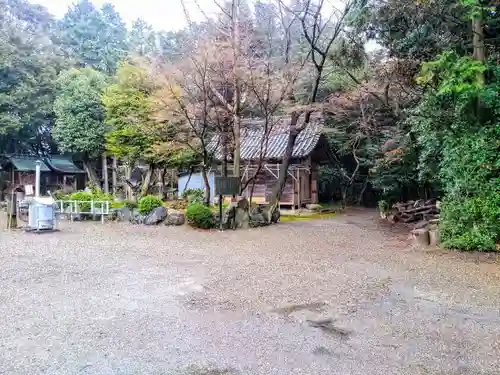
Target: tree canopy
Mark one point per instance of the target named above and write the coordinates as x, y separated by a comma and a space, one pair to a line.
414, 117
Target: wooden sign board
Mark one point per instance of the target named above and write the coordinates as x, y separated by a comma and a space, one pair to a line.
227, 185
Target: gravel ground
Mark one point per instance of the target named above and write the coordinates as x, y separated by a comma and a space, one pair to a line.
329, 297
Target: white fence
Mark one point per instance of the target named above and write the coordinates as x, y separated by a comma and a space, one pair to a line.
74, 208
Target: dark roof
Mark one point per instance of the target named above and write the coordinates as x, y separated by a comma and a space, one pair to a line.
27, 163
252, 133
63, 164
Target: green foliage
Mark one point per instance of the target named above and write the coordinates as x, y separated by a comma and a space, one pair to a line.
148, 203
131, 205
29, 64
471, 223
60, 195
94, 38
458, 130
128, 111
383, 206
193, 195
79, 127
453, 74
83, 199
200, 216
142, 39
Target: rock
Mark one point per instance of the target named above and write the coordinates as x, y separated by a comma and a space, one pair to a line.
314, 207
240, 212
113, 214
124, 214
77, 217
157, 216
242, 218
137, 219
175, 217
275, 217
258, 220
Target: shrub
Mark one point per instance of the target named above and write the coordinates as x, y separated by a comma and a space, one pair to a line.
148, 203
193, 195
60, 195
131, 205
200, 216
85, 198
471, 223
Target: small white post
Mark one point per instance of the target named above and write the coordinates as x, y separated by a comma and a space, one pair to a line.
37, 178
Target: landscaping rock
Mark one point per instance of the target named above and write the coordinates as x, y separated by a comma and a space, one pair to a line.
157, 216
275, 217
137, 219
258, 220
113, 214
175, 217
242, 218
124, 214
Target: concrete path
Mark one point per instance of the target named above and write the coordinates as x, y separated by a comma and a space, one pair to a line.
328, 297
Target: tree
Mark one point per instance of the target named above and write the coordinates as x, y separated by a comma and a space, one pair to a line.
191, 111
79, 126
94, 38
129, 107
128, 110
142, 39
320, 35
29, 64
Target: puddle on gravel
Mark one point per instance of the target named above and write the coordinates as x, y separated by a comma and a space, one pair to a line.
328, 326
290, 309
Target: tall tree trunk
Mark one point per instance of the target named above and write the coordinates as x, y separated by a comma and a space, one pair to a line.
146, 181
113, 175
206, 196
283, 171
237, 88
478, 43
105, 186
188, 180
161, 182
129, 194
91, 174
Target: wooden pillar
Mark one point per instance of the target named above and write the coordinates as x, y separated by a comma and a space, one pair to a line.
105, 173
314, 185
298, 188
113, 175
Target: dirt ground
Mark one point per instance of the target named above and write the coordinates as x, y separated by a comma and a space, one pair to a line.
338, 296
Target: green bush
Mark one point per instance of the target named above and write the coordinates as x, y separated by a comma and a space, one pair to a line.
60, 195
471, 223
193, 195
82, 196
200, 216
131, 205
148, 203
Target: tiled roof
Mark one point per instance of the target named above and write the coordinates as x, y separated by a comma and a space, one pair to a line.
252, 143
27, 164
63, 164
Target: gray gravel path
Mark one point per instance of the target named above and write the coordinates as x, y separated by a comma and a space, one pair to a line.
326, 297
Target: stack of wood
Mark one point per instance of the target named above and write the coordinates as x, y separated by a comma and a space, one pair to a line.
422, 212
423, 216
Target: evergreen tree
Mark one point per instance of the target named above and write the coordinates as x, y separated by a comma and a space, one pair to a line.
94, 38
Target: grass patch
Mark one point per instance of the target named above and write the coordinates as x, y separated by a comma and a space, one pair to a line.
309, 217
